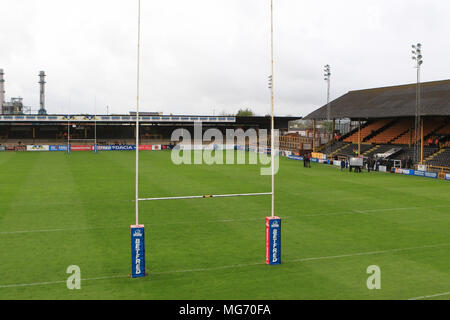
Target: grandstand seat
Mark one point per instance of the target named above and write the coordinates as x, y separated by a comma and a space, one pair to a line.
442, 159
367, 130
390, 134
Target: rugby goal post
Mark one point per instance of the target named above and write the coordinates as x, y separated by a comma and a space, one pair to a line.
82, 145
272, 223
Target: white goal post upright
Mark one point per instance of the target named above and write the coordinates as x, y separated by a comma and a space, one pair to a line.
95, 124
68, 128
137, 112
68, 134
273, 223
272, 153
85, 143
137, 231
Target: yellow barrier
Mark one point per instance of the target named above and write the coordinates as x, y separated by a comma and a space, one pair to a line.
441, 172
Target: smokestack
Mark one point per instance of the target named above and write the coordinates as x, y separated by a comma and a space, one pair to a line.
2, 90
42, 93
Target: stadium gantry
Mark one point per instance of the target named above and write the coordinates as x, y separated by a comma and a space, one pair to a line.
17, 131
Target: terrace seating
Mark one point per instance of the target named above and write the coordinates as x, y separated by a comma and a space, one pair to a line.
392, 133
331, 148
367, 130
349, 150
431, 127
408, 152
441, 159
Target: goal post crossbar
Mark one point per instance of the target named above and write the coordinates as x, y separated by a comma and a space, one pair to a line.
208, 196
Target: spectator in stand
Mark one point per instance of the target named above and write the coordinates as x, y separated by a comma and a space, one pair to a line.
436, 142
430, 141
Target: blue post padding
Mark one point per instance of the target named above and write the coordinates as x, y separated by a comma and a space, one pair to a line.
68, 149
273, 240
137, 251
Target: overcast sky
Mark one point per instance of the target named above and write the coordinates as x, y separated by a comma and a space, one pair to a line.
213, 56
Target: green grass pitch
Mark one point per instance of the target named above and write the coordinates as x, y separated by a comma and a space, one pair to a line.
58, 210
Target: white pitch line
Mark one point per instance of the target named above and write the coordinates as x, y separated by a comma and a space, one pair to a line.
56, 282
53, 230
431, 296
211, 268
388, 209
238, 265
370, 252
351, 211
122, 227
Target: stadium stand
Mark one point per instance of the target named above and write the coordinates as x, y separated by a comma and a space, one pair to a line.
118, 129
387, 117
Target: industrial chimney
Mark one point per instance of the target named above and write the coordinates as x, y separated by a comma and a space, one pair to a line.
42, 93
2, 90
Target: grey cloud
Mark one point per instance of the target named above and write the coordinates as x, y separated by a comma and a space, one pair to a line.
202, 55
